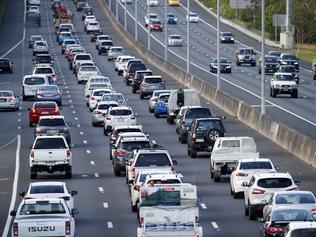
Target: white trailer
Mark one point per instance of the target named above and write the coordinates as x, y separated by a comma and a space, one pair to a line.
227, 151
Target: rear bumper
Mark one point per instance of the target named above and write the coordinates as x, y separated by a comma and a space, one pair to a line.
50, 168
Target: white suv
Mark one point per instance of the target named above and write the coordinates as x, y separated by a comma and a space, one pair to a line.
261, 187
85, 72
120, 63
283, 83
243, 171
117, 116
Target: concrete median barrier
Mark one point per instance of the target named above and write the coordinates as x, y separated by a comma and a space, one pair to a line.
293, 141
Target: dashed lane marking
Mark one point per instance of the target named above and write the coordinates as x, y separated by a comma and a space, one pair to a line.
96, 175
92, 162
203, 206
105, 205
101, 190
110, 225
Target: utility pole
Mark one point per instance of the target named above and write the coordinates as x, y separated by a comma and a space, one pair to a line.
218, 87
166, 31
110, 5
136, 21
263, 63
188, 36
116, 9
148, 27
288, 18
125, 14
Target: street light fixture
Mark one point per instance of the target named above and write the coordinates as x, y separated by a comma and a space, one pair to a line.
125, 14
148, 27
166, 32
136, 21
263, 63
218, 87
188, 36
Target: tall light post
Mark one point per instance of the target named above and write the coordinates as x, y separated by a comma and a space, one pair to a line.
125, 14
263, 63
136, 21
110, 5
188, 36
148, 26
218, 87
116, 9
166, 31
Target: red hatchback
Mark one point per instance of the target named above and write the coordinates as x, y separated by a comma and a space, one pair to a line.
155, 25
43, 108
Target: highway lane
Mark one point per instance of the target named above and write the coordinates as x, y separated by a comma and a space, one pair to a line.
296, 113
99, 209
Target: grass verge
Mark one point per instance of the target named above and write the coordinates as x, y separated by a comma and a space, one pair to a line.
3, 4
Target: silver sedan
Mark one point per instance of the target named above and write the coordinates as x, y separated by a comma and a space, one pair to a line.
100, 110
49, 93
8, 100
175, 40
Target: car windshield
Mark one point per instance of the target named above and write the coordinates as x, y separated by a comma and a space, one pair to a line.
210, 124
113, 97
155, 21
253, 165
153, 159
66, 34
117, 49
52, 122
284, 77
44, 105
304, 232
5, 94
88, 69
152, 80
34, 81
275, 183
295, 198
69, 42
42, 208
37, 189
271, 60
141, 75
130, 146
35, 38
120, 112
171, 16
246, 51
93, 23
41, 43
106, 106
164, 98
136, 67
193, 14
164, 181
227, 34
43, 70
291, 215
50, 143
221, 60
289, 57
275, 53
287, 69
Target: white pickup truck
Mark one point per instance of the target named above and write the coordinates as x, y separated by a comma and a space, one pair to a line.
43, 217
50, 154
169, 211
227, 151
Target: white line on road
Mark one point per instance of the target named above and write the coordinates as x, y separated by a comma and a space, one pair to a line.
215, 226
78, 125
96, 175
76, 118
203, 206
81, 133
88, 151
101, 190
5, 145
85, 141
92, 162
110, 225
4, 179
105, 205
14, 188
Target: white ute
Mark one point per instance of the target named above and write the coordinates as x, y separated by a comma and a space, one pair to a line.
43, 217
169, 210
227, 151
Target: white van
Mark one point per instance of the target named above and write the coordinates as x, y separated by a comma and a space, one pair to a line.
30, 84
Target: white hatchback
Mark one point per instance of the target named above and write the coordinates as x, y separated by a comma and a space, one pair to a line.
45, 70
95, 96
117, 116
85, 72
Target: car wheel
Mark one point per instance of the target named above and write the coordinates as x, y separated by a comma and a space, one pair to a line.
30, 124
253, 64
238, 63
141, 96
217, 179
294, 94
93, 124
134, 207
105, 132
246, 210
157, 115
68, 172
134, 91
213, 134
33, 173
273, 93
117, 172
182, 139
127, 82
252, 213
99, 52
193, 153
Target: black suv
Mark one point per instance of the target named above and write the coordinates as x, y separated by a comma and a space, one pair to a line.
43, 58
132, 68
271, 64
105, 46
6, 65
186, 119
246, 56
203, 133
138, 78
289, 59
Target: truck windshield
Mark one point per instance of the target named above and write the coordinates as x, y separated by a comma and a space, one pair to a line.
41, 208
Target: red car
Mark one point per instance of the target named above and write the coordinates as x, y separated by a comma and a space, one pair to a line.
155, 25
43, 108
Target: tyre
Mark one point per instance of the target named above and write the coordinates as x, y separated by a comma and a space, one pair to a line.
217, 179
68, 172
235, 195
253, 64
99, 52
30, 124
181, 139
294, 94
193, 153
252, 213
33, 173
134, 91
141, 96
188, 151
246, 210
93, 124
134, 207
273, 93
117, 172
127, 82
259, 71
238, 63
105, 131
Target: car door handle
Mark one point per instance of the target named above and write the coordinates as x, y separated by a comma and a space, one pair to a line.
50, 152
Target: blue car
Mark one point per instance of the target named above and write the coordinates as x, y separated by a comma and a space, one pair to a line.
63, 36
171, 19
160, 108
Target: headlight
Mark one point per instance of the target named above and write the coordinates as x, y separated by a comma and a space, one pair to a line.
296, 63
231, 38
282, 62
228, 66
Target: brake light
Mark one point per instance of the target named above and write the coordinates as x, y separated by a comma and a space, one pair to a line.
133, 117
194, 135
313, 212
241, 174
196, 218
92, 98
258, 191
120, 152
141, 219
133, 169
67, 228
66, 198
272, 229
40, 94
57, 110
113, 137
108, 118
33, 110
15, 229
53, 76
68, 153
11, 100
32, 153
97, 112
173, 169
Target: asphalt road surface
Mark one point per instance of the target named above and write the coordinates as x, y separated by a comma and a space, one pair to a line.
102, 198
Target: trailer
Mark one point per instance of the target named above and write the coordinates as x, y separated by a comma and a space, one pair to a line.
62, 14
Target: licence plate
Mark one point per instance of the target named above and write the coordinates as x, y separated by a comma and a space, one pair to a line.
49, 94
285, 88
52, 131
120, 120
44, 113
200, 140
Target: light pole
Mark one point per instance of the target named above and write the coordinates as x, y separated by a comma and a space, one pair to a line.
116, 9
136, 21
188, 36
148, 27
263, 63
166, 32
218, 87
110, 5
125, 14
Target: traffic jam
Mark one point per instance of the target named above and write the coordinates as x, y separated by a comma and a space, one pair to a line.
164, 203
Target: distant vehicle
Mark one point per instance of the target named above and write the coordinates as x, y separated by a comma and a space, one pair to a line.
138, 79
283, 83
154, 98
149, 84
289, 59
85, 72
63, 36
31, 82
43, 108
171, 18
67, 42
40, 47
224, 63
155, 25
271, 64
193, 18
227, 37
174, 2
43, 59
49, 93
95, 96
161, 105
100, 110
175, 40
92, 26
290, 69
275, 53
48, 71
86, 11
150, 17
6, 65
8, 100
246, 56
104, 46
34, 38
114, 52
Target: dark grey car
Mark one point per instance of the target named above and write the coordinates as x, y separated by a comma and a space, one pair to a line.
49, 93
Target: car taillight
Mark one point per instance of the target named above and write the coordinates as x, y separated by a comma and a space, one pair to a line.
108, 118
132, 116
196, 218
258, 191
67, 228
32, 153
11, 100
194, 136
66, 198
15, 229
120, 152
97, 112
33, 110
241, 174
53, 76
141, 219
92, 98
313, 212
173, 168
113, 138
133, 169
273, 229
40, 94
68, 153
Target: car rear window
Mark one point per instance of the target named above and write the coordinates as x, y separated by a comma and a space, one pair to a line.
274, 182
106, 43
83, 57
198, 113
255, 165
284, 77
137, 67
120, 112
40, 44
5, 94
153, 159
100, 93
35, 189
304, 232
42, 208
113, 97
121, 130
45, 105
117, 49
34, 81
287, 69
88, 69
50, 143
295, 198
130, 146
153, 80
4, 62
106, 106
43, 70
48, 88
51, 122
97, 85
211, 124
291, 215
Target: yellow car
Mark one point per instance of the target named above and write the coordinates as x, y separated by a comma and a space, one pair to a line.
174, 2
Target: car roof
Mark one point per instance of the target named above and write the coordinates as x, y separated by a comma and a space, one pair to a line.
272, 175
107, 102
282, 73
293, 192
154, 171
50, 200
128, 126
255, 160
121, 108
302, 225
132, 139
167, 175
51, 183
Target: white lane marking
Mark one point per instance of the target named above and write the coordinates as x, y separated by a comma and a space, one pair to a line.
4, 193
68, 96
85, 141
73, 111
78, 125
19, 127
105, 205
92, 162
5, 145
258, 106
215, 226
71, 106
84, 175
81, 133
110, 225
19, 120
203, 206
88, 151
76, 118
4, 179
96, 175
101, 190
14, 188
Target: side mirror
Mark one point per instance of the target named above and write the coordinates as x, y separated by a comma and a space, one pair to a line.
244, 184
74, 211
12, 213
174, 162
69, 124
297, 183
130, 162
22, 194
277, 168
73, 192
